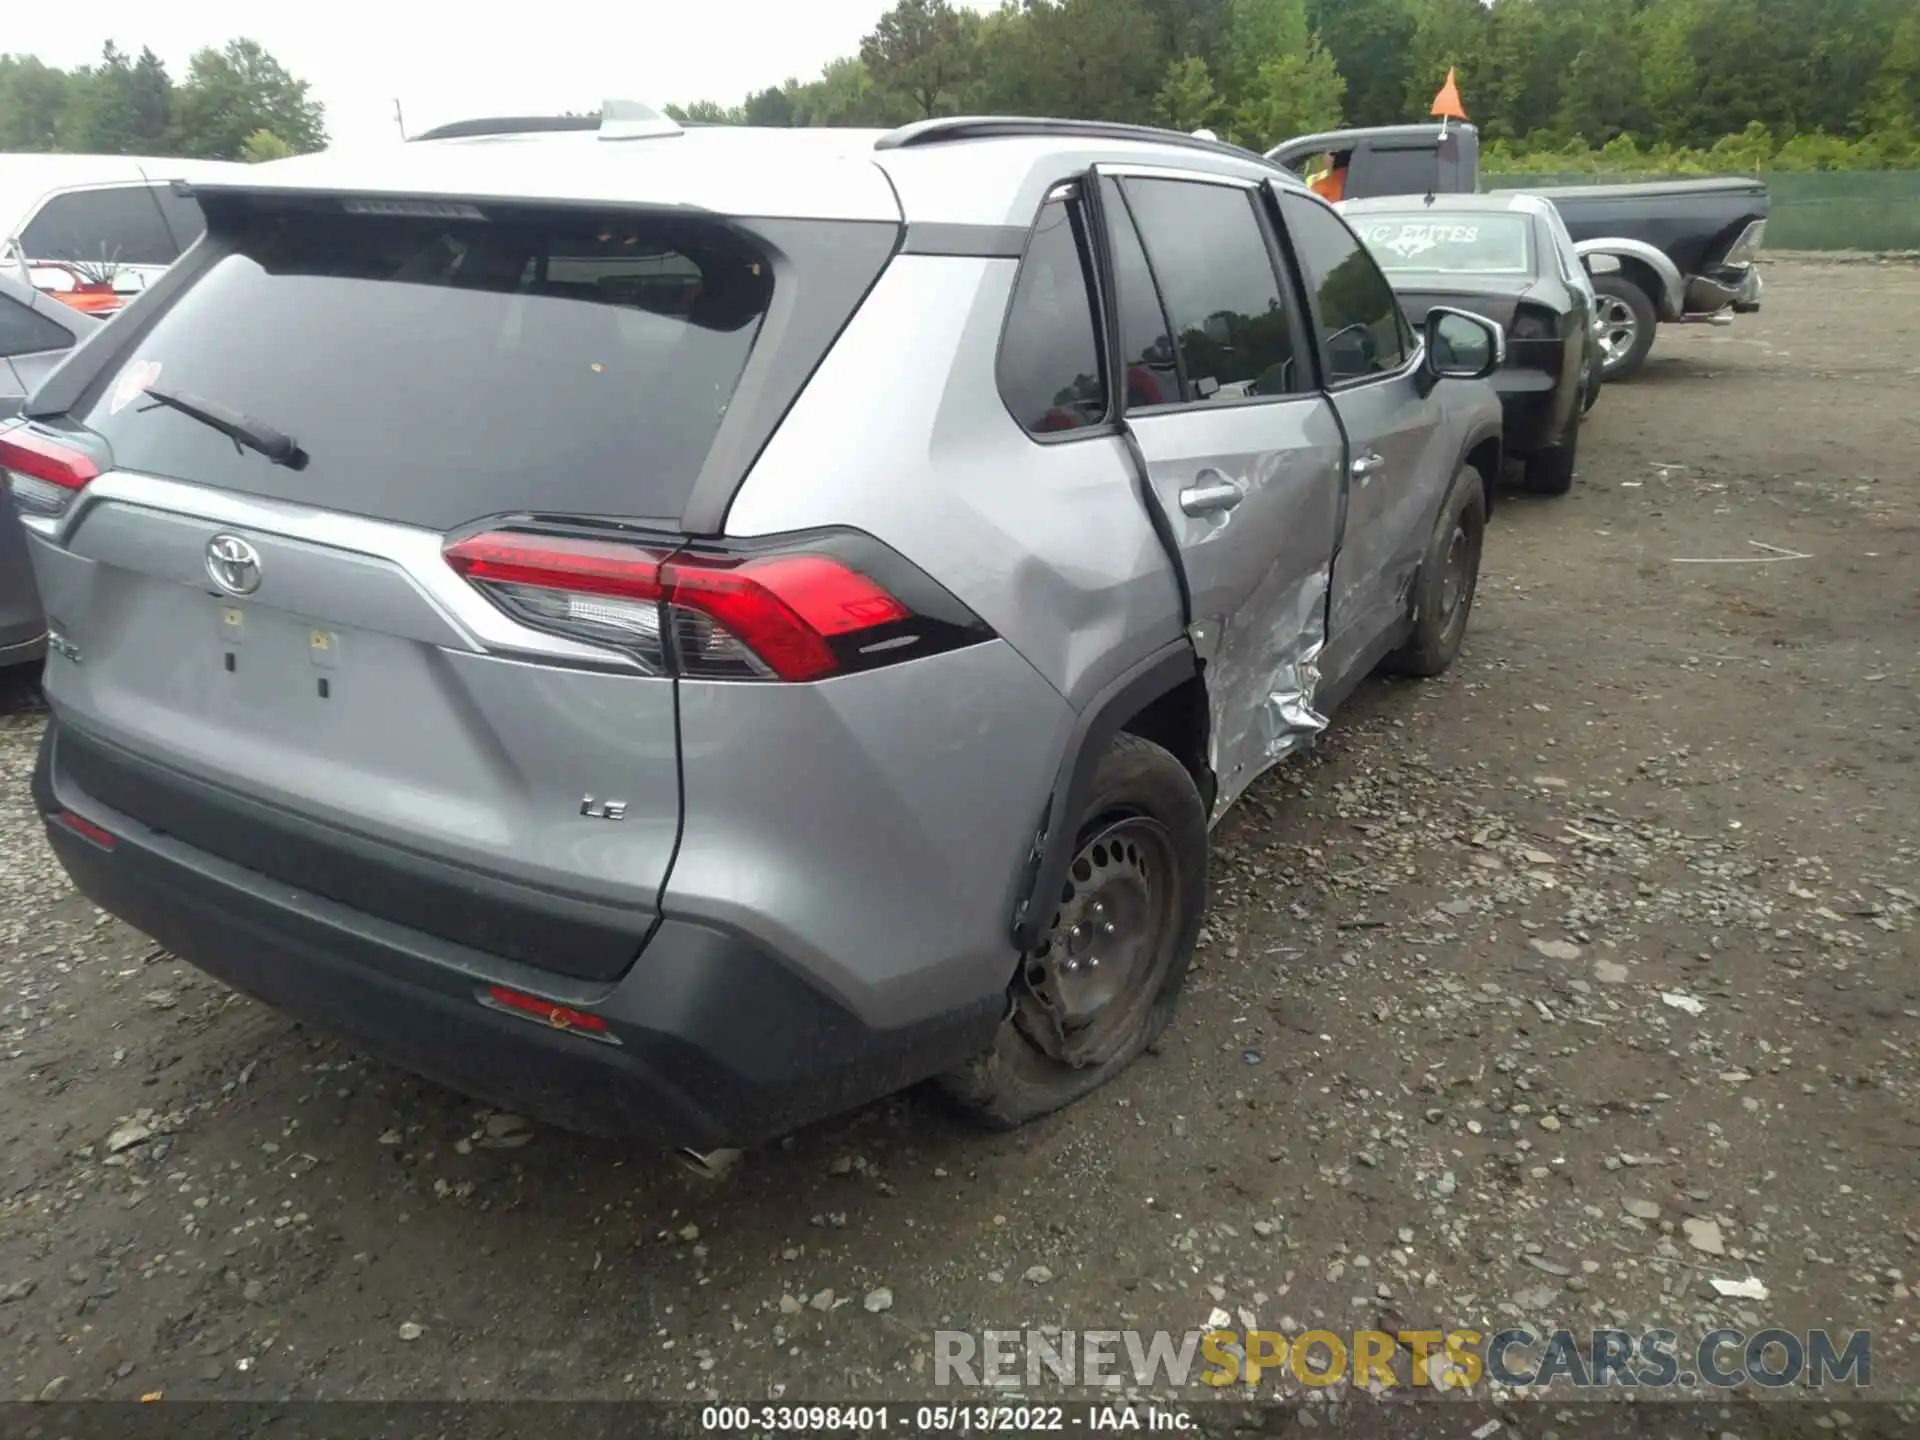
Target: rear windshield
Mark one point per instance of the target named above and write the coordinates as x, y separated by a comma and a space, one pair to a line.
111, 225
438, 371
1465, 244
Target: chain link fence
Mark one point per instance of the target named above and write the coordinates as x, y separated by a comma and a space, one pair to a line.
1812, 209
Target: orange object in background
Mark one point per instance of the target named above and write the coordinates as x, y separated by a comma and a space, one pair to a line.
72, 287
89, 299
1447, 104
1331, 186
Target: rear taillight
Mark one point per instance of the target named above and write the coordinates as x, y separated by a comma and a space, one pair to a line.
1532, 322
43, 474
784, 614
1747, 248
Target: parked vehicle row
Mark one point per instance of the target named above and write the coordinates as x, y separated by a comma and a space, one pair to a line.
1674, 251
1507, 257
772, 620
777, 614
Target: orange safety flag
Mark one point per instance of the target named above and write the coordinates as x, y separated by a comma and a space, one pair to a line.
1447, 103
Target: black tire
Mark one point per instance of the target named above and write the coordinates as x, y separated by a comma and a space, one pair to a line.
1550, 471
1638, 315
1037, 1063
1441, 609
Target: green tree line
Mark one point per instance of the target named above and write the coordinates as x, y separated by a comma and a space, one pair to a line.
235, 103
1559, 84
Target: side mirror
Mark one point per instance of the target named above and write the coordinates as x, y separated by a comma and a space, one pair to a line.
1601, 264
1462, 345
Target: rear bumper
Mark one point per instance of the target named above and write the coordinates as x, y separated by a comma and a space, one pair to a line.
22, 644
712, 1040
1530, 412
1737, 289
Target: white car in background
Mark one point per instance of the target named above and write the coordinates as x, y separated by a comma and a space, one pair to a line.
94, 230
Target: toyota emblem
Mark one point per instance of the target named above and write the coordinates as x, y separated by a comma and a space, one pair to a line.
233, 564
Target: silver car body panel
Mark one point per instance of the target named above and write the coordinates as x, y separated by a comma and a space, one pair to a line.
440, 727
1401, 460
1048, 543
1257, 573
864, 828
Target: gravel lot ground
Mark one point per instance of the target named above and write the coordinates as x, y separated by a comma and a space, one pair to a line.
1430, 1070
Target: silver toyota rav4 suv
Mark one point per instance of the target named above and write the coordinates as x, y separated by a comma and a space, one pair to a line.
684, 633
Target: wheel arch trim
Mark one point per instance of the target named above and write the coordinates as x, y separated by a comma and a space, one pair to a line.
1483, 432
1044, 868
1670, 303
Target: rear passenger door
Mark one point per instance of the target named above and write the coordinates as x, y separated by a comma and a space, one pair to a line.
1242, 452
1371, 362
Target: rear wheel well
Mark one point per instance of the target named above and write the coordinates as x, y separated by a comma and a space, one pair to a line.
1177, 722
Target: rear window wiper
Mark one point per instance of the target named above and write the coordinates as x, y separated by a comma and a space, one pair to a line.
245, 432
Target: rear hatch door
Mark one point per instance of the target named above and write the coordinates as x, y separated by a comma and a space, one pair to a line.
280, 636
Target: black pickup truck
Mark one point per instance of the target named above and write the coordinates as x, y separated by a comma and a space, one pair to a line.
1666, 252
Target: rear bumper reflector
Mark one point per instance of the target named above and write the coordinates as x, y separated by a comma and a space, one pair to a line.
558, 1017
84, 828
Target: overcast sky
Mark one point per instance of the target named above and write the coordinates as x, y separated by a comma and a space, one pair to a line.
446, 61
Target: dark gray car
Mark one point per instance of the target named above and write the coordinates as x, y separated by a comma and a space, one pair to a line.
36, 332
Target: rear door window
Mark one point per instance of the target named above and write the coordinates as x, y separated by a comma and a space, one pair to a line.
1222, 292
441, 370
1152, 370
1050, 368
24, 331
111, 225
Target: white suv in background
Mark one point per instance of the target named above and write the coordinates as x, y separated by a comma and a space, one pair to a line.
95, 229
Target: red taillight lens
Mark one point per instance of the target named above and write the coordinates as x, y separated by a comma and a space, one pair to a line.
85, 829
783, 608
43, 474
721, 617
593, 567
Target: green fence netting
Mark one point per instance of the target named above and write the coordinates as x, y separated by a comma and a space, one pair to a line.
1812, 209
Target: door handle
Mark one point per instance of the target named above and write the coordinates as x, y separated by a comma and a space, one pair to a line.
1368, 465
1213, 495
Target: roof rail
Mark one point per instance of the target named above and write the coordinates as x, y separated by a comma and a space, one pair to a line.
508, 125
1004, 127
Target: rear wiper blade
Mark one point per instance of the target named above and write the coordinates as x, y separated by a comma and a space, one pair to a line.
245, 432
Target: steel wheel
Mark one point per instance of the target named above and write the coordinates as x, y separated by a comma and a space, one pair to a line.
1105, 956
1459, 575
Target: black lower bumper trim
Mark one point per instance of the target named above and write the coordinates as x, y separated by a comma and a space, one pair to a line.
583, 938
719, 1042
